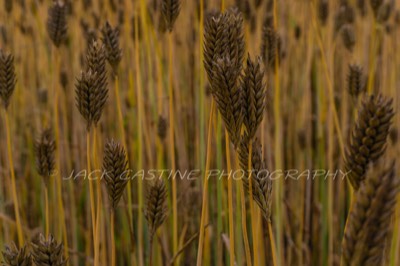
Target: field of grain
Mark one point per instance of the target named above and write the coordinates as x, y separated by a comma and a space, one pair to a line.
199, 132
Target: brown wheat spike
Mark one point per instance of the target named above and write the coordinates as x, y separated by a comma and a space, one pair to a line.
375, 5
355, 80
3, 35
384, 12
89, 33
45, 148
344, 15
87, 4
397, 18
212, 36
245, 8
170, 10
368, 139
162, 127
57, 23
7, 77
111, 42
369, 221
394, 135
90, 98
96, 58
64, 79
48, 252
8, 6
224, 52
156, 207
257, 3
260, 182
323, 11
113, 5
362, 7
270, 47
234, 39
96, 63
16, 257
115, 165
223, 36
253, 88
228, 96
348, 37
297, 32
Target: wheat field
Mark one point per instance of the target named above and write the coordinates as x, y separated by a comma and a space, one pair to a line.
199, 132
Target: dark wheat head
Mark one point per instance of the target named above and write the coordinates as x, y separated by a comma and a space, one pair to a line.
212, 38
224, 53
235, 37
270, 47
367, 142
245, 8
8, 6
111, 42
355, 80
223, 37
47, 252
228, 96
253, 88
90, 97
369, 221
96, 58
375, 6
156, 207
45, 148
115, 164
348, 37
258, 3
260, 181
323, 11
57, 23
170, 10
96, 63
362, 7
384, 12
7, 77
162, 127
16, 257
344, 15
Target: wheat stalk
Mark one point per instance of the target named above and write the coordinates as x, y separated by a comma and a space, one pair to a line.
170, 10
96, 63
